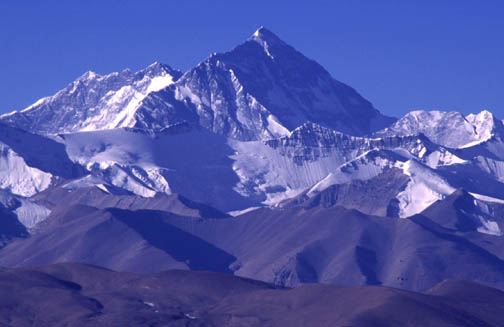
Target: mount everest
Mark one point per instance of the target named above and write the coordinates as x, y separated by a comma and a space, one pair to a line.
257, 132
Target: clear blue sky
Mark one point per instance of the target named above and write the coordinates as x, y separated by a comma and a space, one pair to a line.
401, 55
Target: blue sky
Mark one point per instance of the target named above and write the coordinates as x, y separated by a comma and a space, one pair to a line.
400, 55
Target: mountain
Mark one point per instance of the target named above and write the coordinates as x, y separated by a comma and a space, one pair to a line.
141, 241
450, 129
380, 193
30, 163
82, 295
261, 89
93, 102
461, 211
103, 198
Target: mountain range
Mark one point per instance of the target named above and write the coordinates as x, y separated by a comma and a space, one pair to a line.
257, 163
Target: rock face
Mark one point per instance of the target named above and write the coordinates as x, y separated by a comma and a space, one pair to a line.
93, 102
264, 88
261, 89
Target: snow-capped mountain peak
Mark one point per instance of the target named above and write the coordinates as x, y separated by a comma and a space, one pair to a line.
264, 35
157, 69
485, 124
94, 102
260, 90
450, 129
267, 40
89, 75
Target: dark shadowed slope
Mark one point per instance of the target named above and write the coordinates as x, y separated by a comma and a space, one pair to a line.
155, 228
118, 239
460, 211
95, 197
81, 295
10, 227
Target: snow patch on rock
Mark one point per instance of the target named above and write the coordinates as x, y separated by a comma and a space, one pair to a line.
425, 188
28, 212
19, 178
